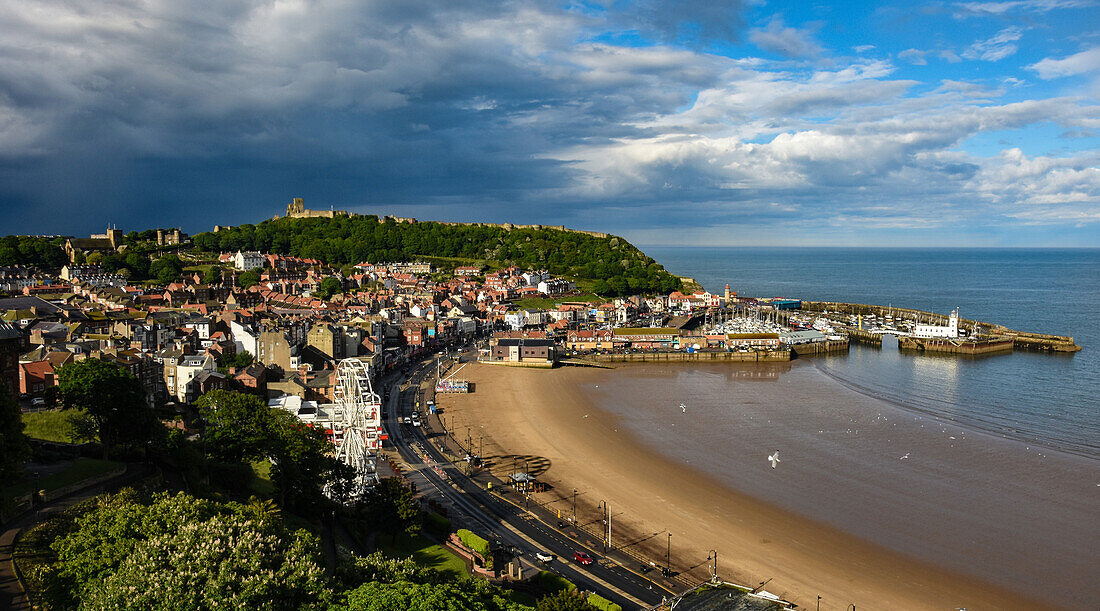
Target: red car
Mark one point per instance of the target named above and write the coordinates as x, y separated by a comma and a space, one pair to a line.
582, 558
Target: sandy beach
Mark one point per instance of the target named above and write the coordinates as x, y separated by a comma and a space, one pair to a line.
553, 420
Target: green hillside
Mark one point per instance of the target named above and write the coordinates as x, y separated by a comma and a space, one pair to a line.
614, 265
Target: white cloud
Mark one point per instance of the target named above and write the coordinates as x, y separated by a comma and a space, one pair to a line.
786, 41
1078, 63
987, 9
913, 56
996, 48
455, 103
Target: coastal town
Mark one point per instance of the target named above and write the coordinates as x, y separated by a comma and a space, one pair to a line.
371, 355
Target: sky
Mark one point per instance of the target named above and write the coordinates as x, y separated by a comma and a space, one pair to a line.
667, 122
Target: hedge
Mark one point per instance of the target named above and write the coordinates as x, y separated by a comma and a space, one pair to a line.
602, 603
476, 543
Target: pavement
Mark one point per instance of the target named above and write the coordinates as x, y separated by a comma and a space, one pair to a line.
502, 514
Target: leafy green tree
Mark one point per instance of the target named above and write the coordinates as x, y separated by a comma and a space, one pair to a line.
563, 600
138, 264
329, 287
238, 427
212, 276
220, 563
247, 279
166, 269
179, 552
113, 399
468, 595
391, 506
239, 360
14, 450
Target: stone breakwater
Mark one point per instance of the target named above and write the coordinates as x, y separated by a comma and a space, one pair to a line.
1021, 340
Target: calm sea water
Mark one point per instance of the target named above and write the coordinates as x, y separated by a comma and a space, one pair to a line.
1053, 400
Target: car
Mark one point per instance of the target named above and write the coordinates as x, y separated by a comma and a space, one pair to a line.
406, 420
38, 402
544, 556
582, 557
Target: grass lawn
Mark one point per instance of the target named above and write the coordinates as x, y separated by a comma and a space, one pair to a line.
261, 483
424, 553
80, 469
200, 268
547, 303
52, 425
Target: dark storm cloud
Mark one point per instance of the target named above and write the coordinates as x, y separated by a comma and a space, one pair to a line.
153, 112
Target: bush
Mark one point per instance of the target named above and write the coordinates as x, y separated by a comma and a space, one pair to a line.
602, 603
437, 525
552, 582
477, 544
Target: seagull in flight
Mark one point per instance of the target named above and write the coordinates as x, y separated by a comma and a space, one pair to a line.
683, 408
774, 458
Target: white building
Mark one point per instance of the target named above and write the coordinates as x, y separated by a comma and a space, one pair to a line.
951, 330
248, 260
244, 337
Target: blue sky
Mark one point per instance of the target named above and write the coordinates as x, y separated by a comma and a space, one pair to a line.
741, 123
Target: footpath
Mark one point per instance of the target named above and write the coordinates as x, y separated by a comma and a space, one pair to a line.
12, 595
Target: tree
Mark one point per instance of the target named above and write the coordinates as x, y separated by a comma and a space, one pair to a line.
329, 287
237, 426
166, 269
112, 397
466, 595
220, 563
247, 279
14, 450
240, 427
391, 506
563, 600
179, 552
212, 276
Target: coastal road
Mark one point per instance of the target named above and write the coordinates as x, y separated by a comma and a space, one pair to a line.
510, 525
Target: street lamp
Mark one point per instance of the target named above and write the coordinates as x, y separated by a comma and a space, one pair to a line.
574, 505
668, 554
714, 567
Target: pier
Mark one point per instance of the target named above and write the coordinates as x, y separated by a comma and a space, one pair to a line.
1021, 340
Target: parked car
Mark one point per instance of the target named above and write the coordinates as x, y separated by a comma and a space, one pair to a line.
582, 558
544, 557
38, 402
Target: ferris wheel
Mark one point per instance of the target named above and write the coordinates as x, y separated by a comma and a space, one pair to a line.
357, 422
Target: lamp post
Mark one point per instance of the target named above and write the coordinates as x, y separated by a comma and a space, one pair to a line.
574, 506
668, 554
714, 567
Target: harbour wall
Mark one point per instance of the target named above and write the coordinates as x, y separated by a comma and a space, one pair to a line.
1022, 340
949, 346
761, 356
818, 348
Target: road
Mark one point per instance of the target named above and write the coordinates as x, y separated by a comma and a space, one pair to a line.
507, 524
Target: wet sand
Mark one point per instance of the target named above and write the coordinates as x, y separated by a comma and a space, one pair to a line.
706, 483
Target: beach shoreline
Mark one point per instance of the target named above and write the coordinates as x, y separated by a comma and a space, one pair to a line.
549, 420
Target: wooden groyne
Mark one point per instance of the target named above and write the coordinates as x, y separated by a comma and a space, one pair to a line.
1022, 340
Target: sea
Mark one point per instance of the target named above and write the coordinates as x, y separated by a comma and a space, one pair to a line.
1043, 399
989, 466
